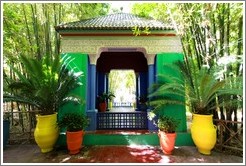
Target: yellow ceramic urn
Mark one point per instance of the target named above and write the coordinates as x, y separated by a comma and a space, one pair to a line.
46, 132
203, 133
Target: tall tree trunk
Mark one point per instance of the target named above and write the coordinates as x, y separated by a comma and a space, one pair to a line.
48, 50
239, 52
36, 29
227, 48
221, 18
214, 51
57, 21
27, 28
239, 44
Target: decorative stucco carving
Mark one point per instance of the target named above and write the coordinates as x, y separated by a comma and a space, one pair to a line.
95, 45
92, 46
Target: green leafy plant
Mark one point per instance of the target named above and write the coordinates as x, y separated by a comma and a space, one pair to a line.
167, 124
73, 122
105, 96
45, 84
199, 89
137, 31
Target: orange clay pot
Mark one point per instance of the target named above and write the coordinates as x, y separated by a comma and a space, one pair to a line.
167, 141
74, 141
103, 107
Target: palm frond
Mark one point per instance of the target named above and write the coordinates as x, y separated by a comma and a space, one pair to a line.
199, 86
47, 84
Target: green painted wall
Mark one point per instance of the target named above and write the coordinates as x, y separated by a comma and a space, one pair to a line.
177, 111
183, 138
78, 63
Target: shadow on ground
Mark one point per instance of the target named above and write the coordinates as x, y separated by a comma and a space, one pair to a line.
113, 154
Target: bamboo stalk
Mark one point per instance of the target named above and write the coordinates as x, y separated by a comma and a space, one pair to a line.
36, 29
27, 28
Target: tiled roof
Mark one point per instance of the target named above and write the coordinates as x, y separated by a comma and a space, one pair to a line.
119, 21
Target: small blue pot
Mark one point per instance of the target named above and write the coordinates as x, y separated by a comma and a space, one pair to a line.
6, 126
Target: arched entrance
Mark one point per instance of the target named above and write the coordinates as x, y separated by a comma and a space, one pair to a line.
125, 60
122, 60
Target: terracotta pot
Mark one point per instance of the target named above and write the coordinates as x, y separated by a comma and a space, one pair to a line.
167, 141
203, 133
74, 141
103, 107
46, 132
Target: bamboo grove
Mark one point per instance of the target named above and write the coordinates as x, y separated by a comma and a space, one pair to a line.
28, 29
212, 36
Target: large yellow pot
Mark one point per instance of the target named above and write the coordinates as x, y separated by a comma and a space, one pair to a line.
203, 133
46, 132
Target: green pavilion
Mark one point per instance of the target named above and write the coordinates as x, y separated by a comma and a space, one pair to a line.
105, 43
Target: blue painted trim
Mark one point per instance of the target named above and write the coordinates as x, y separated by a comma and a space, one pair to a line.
151, 78
88, 102
151, 75
155, 71
137, 91
117, 120
143, 83
93, 87
92, 115
101, 83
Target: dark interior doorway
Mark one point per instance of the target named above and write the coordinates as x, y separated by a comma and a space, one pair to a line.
122, 60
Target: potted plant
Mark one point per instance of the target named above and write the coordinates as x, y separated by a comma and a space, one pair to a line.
103, 98
110, 100
45, 85
6, 128
167, 133
75, 124
199, 89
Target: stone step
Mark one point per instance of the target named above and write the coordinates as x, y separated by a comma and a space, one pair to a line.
127, 137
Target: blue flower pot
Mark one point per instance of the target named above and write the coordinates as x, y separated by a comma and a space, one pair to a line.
6, 126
